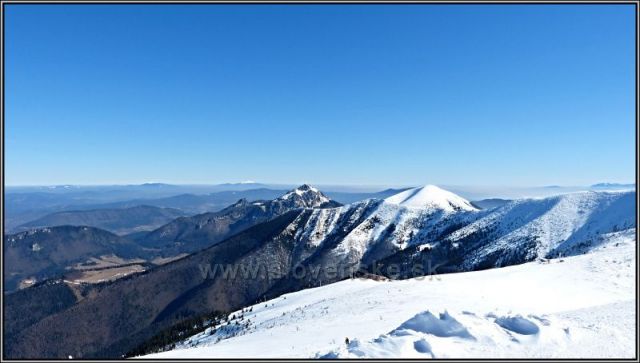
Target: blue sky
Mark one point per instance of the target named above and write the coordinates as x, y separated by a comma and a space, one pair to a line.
347, 94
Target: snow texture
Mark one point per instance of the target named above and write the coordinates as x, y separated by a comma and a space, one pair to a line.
581, 306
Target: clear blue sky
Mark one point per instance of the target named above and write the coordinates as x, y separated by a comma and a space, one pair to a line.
347, 94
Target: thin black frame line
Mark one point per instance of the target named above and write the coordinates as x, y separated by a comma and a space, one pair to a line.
583, 2
322, 2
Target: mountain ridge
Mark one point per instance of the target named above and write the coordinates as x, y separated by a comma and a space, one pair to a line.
371, 233
189, 234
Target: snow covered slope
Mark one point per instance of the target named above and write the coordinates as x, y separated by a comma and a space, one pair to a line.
431, 197
530, 228
577, 307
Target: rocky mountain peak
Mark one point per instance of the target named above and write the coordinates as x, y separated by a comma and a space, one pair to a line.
305, 196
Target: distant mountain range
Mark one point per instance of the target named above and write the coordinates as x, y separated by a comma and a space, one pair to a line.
120, 221
25, 205
613, 186
304, 230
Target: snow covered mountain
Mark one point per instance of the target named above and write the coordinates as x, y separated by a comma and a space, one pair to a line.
431, 197
189, 234
577, 307
523, 230
434, 226
430, 224
351, 237
328, 245
305, 196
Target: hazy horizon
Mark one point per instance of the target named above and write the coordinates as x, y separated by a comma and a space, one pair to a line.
151, 183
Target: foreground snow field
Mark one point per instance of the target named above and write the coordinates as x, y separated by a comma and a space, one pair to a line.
577, 307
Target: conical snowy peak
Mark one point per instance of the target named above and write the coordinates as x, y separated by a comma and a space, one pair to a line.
305, 196
431, 197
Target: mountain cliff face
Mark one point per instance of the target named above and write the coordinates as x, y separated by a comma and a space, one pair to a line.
305, 196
